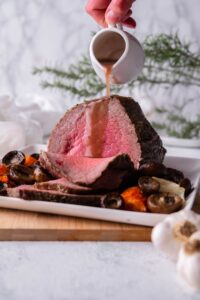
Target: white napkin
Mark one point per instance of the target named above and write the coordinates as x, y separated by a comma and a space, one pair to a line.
12, 137
27, 123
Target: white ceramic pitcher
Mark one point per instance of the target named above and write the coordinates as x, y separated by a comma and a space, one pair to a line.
113, 43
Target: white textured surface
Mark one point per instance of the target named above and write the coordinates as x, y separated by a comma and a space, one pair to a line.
87, 271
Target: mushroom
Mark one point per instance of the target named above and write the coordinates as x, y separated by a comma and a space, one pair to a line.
188, 264
3, 189
164, 203
13, 158
152, 169
169, 235
148, 185
21, 174
112, 200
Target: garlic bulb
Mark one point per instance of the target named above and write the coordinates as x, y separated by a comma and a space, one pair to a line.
169, 235
188, 265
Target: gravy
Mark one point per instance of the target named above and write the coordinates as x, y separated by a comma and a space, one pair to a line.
107, 65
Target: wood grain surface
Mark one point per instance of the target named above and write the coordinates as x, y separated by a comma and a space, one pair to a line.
30, 226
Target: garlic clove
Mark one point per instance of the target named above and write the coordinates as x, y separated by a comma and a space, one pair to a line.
169, 235
162, 238
188, 264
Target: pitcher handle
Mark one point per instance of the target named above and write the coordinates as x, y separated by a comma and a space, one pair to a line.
117, 25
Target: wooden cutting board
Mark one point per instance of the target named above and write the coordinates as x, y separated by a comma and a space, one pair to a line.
28, 226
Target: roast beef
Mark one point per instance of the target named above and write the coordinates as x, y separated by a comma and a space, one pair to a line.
107, 127
28, 192
65, 186
98, 173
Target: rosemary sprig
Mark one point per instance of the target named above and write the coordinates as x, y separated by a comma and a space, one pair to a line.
175, 123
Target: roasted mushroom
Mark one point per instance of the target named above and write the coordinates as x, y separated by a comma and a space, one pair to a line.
13, 158
21, 174
112, 200
164, 203
152, 169
148, 185
3, 189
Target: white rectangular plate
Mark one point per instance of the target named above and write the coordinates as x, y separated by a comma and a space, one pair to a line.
189, 166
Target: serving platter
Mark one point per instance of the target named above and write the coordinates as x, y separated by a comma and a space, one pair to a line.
189, 166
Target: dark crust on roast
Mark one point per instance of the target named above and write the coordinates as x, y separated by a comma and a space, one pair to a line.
71, 189
151, 145
110, 179
115, 174
52, 196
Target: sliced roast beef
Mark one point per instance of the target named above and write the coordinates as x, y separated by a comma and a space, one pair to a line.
107, 127
28, 192
98, 173
65, 186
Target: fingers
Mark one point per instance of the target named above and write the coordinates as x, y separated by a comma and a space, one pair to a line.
130, 22
117, 11
97, 9
128, 14
111, 11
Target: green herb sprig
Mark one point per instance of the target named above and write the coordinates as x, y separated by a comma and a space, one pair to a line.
176, 123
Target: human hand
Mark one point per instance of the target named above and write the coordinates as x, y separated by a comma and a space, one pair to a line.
107, 12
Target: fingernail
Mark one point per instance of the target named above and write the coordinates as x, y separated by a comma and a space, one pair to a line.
111, 17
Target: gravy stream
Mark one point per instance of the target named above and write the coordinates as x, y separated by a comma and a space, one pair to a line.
107, 65
96, 116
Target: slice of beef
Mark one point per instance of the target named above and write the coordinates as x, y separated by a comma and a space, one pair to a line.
28, 192
98, 173
65, 186
107, 127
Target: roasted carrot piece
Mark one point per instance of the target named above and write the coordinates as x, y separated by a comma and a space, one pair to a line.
29, 160
3, 169
134, 199
4, 178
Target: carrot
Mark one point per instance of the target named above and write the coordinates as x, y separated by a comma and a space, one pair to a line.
29, 160
134, 199
3, 169
4, 178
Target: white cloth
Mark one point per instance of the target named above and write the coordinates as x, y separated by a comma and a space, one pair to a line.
25, 124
